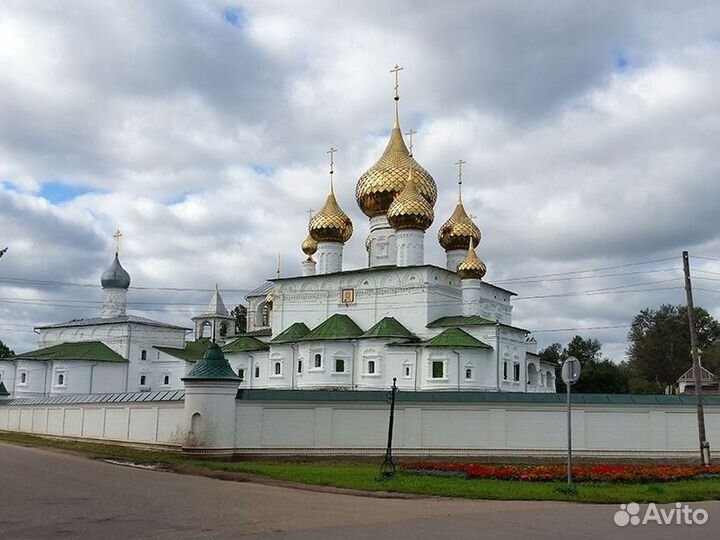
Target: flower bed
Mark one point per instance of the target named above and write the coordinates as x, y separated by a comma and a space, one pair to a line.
551, 473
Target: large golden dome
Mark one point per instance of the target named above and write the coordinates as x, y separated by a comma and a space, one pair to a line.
410, 210
471, 266
331, 224
381, 183
459, 230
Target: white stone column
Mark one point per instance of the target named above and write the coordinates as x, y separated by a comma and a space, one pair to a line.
114, 302
210, 410
382, 242
454, 258
329, 256
308, 267
410, 247
471, 298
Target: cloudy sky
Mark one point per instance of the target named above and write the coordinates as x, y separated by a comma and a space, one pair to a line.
591, 133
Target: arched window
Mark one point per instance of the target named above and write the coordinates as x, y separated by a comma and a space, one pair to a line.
61, 379
278, 368
516, 372
166, 379
318, 360
195, 423
257, 372
23, 378
468, 373
407, 371
143, 355
339, 365
241, 374
142, 380
505, 371
299, 366
371, 367
223, 329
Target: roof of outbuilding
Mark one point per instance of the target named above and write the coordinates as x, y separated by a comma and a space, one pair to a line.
213, 366
455, 337
94, 351
245, 344
294, 332
389, 327
121, 319
192, 352
337, 326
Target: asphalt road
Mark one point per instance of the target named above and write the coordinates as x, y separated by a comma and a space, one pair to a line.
45, 494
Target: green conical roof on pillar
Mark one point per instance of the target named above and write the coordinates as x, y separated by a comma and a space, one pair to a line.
213, 366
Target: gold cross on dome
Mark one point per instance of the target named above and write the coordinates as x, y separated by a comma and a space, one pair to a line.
410, 134
117, 236
460, 163
397, 69
332, 158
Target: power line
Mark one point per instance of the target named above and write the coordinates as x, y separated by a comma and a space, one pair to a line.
582, 328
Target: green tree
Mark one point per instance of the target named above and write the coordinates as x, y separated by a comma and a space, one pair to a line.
599, 375
659, 343
240, 314
5, 351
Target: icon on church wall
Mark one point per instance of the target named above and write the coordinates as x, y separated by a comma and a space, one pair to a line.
348, 296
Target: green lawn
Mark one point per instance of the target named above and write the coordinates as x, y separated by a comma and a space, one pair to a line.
364, 477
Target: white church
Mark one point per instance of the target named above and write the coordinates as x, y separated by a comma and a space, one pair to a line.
427, 327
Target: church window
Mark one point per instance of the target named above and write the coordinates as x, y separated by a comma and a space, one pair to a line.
195, 423
61, 379
339, 365
257, 372
438, 370
278, 368
142, 380
516, 372
371, 367
318, 360
299, 366
241, 374
223, 329
468, 373
505, 371
143, 355
407, 371
166, 379
23, 378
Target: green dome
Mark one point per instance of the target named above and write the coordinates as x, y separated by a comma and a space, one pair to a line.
213, 366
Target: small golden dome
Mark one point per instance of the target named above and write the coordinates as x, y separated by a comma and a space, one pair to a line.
331, 224
459, 230
410, 210
471, 266
309, 247
380, 184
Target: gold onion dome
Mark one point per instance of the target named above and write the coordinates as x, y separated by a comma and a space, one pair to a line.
331, 224
459, 230
410, 210
309, 246
380, 184
471, 266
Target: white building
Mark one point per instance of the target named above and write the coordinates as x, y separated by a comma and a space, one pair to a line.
428, 327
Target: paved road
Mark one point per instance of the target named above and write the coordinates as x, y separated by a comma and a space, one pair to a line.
46, 494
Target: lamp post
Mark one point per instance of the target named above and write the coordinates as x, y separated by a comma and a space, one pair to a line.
570, 375
387, 469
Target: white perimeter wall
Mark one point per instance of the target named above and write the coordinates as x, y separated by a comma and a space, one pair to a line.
149, 423
435, 428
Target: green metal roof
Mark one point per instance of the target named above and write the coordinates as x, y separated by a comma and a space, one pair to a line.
471, 320
338, 326
3, 390
94, 351
213, 366
455, 337
255, 333
294, 332
473, 397
246, 344
192, 352
389, 327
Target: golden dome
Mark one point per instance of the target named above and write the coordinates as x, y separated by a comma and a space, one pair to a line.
381, 183
309, 247
410, 210
331, 224
471, 266
459, 230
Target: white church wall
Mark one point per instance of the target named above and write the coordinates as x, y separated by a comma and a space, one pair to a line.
148, 422
7, 376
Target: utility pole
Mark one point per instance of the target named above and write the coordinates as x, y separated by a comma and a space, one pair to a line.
704, 444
